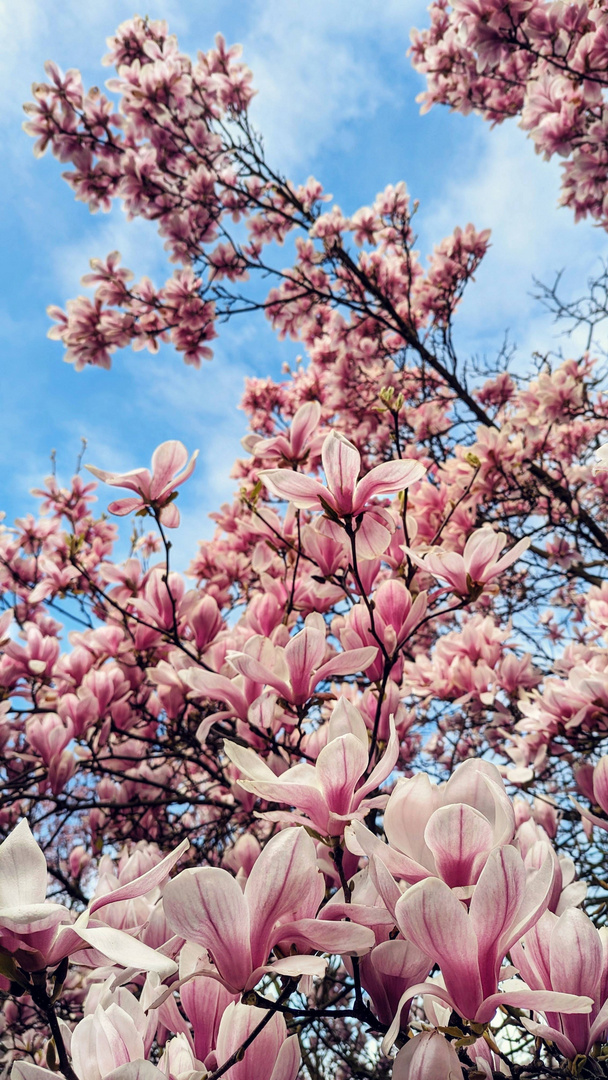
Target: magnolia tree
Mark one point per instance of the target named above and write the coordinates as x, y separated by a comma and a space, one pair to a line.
334, 803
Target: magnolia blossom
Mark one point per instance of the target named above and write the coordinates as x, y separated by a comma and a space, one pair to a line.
471, 945
478, 565
567, 954
276, 909
326, 793
345, 495
170, 467
32, 929
446, 830
299, 667
300, 440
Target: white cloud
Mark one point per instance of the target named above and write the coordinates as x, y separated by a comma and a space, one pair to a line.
319, 65
498, 182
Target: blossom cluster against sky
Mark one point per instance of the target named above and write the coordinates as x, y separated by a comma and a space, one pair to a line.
336, 99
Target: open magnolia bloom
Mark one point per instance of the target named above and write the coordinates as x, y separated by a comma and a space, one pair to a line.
470, 945
156, 489
478, 565
296, 670
567, 953
345, 496
294, 445
441, 830
33, 931
276, 911
325, 795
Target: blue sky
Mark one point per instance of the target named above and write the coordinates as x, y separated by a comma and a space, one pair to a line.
336, 99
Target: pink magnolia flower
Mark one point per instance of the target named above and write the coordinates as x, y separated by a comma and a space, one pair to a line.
28, 923
295, 444
30, 926
470, 945
441, 830
345, 494
477, 566
276, 910
299, 667
156, 489
273, 1055
425, 1056
325, 793
567, 953
104, 1040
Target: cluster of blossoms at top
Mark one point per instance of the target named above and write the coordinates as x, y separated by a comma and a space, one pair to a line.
178, 150
541, 60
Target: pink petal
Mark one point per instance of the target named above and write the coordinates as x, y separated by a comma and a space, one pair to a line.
125, 950
341, 465
482, 549
373, 537
480, 784
409, 808
207, 906
133, 1070
24, 1070
252, 669
510, 557
345, 938
288, 1059
384, 767
169, 516
539, 887
236, 1025
302, 491
167, 460
303, 425
387, 479
347, 663
23, 873
549, 1034
458, 837
496, 901
430, 915
426, 1057
576, 955
599, 1024
284, 880
339, 767
134, 480
600, 782
120, 507
144, 884
430, 989
216, 687
539, 1000
303, 654
357, 835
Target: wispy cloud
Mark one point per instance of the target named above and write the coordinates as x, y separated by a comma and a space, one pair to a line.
499, 183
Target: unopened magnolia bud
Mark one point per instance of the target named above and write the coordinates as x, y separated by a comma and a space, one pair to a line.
427, 1056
